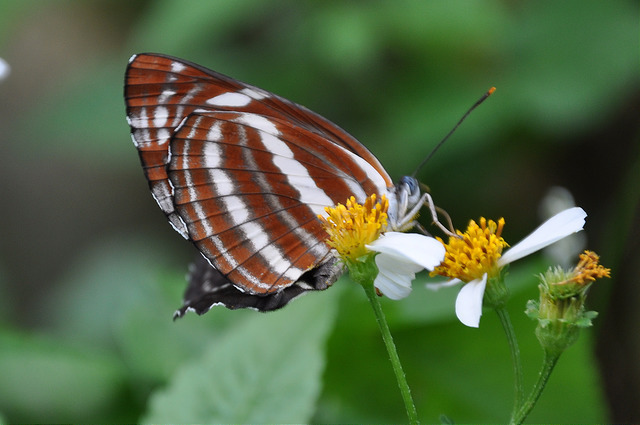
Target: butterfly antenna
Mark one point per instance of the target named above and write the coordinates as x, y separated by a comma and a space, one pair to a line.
475, 105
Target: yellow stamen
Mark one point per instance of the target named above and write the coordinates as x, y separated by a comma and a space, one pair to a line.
475, 253
353, 226
587, 270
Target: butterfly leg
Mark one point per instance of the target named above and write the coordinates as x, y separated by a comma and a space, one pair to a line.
442, 212
428, 200
422, 230
408, 221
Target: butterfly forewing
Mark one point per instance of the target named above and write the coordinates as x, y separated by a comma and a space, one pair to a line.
244, 174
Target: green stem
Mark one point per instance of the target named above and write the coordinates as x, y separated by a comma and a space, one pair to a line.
549, 362
393, 354
515, 358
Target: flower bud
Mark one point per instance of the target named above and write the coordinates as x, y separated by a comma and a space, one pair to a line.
560, 311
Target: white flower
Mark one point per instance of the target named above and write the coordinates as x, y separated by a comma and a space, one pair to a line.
356, 232
400, 257
4, 69
559, 226
470, 297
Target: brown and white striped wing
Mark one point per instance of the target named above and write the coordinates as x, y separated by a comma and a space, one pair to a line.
243, 173
161, 91
249, 190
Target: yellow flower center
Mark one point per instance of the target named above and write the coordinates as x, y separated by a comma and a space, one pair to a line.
353, 226
474, 253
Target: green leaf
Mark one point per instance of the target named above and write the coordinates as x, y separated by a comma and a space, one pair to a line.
147, 329
109, 279
45, 380
266, 369
587, 319
138, 291
532, 309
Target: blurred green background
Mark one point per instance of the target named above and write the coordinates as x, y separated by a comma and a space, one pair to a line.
90, 272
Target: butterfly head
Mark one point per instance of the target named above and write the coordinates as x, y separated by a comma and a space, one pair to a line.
405, 200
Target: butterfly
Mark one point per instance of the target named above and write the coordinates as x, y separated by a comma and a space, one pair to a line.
243, 174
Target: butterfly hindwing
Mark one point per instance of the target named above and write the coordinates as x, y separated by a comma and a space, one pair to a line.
208, 288
249, 190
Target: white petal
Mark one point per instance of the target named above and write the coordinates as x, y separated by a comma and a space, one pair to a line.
392, 283
419, 249
397, 264
557, 227
469, 302
439, 285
